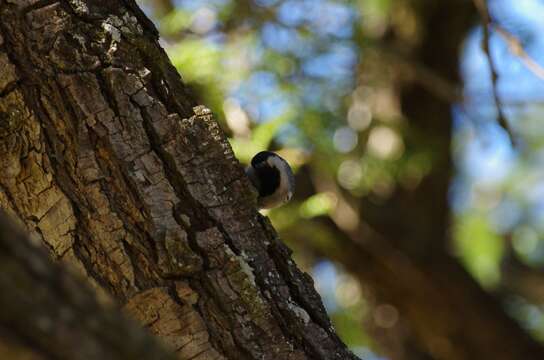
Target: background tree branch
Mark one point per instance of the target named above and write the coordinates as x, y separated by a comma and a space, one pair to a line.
487, 22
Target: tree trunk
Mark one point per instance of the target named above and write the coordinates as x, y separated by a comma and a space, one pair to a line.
105, 161
45, 313
401, 251
439, 311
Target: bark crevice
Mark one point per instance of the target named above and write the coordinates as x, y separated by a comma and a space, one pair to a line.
140, 193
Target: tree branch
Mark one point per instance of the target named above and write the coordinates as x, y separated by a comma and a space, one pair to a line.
483, 9
47, 308
516, 48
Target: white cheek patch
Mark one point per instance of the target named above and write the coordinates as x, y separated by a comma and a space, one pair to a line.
284, 169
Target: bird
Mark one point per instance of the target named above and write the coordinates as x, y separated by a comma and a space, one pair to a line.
273, 179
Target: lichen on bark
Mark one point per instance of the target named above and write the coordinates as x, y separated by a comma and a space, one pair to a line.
122, 177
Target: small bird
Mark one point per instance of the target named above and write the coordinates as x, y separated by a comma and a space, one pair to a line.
273, 178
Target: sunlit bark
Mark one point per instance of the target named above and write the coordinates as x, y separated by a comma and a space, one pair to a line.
105, 161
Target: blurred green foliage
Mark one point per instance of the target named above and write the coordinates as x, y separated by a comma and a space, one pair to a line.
288, 75
480, 247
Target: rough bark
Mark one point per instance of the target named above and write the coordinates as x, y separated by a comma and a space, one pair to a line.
46, 313
105, 162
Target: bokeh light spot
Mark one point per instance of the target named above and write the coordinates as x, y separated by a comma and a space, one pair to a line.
236, 117
204, 20
345, 139
348, 291
350, 174
359, 116
385, 143
385, 315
